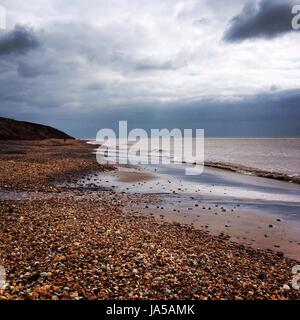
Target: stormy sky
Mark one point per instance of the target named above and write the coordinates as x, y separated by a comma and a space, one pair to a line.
230, 67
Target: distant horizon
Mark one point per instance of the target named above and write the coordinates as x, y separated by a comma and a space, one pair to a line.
206, 136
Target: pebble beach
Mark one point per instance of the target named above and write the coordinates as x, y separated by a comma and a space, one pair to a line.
60, 242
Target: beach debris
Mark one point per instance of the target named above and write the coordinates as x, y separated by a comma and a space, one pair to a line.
286, 287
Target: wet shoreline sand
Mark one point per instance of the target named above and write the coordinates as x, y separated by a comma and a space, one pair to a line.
258, 225
98, 242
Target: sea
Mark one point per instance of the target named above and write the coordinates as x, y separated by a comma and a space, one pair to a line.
275, 157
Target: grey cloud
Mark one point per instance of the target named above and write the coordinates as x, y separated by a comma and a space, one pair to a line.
274, 88
28, 71
151, 64
115, 47
20, 40
201, 22
267, 19
95, 86
86, 76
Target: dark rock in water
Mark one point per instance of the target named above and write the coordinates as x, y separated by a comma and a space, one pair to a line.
270, 226
278, 220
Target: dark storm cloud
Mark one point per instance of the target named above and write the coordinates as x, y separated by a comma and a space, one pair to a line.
20, 40
268, 19
268, 115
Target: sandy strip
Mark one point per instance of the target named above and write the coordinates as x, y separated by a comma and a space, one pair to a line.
255, 229
129, 177
251, 227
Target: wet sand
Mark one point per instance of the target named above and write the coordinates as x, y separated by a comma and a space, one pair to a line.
248, 221
131, 177
248, 227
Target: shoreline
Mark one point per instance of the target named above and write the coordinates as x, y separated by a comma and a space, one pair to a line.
252, 171
97, 243
235, 166
184, 203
